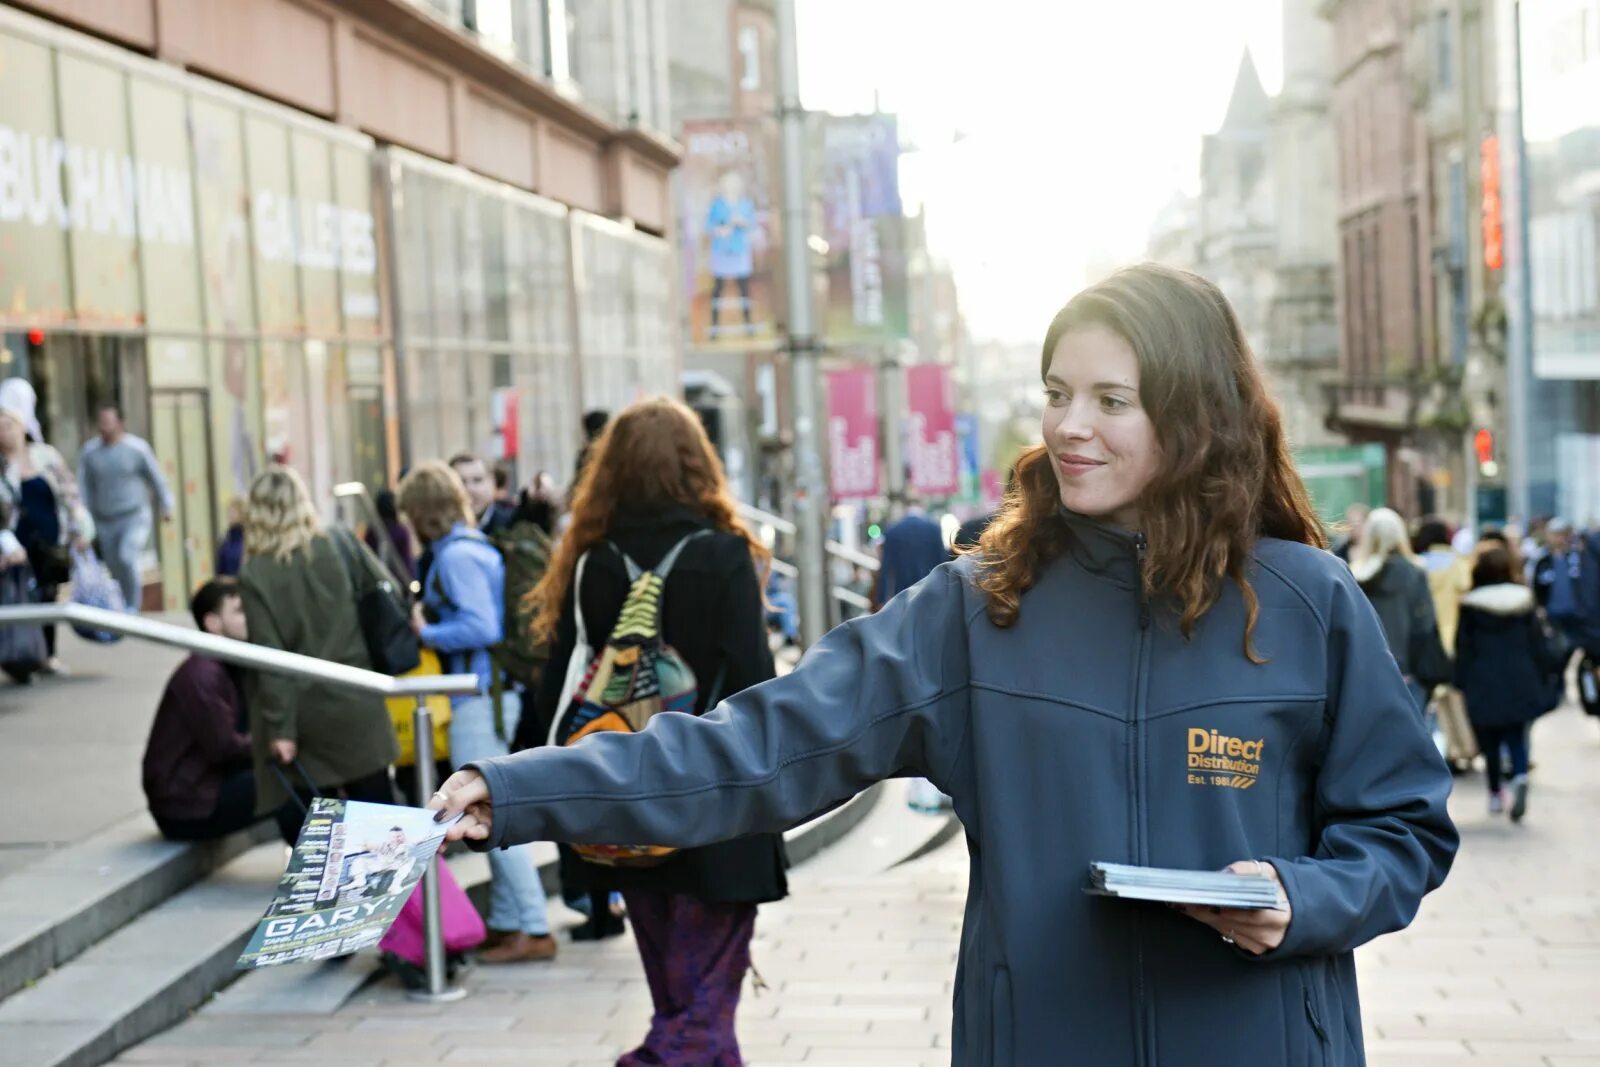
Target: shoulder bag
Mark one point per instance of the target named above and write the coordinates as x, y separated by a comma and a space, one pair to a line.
380, 610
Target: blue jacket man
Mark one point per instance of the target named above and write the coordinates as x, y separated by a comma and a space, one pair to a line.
463, 596
1091, 730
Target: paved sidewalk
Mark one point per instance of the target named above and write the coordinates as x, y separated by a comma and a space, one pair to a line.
70, 746
1502, 967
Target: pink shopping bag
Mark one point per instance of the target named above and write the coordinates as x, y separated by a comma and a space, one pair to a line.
463, 926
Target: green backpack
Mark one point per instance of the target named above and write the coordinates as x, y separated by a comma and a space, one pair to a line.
526, 551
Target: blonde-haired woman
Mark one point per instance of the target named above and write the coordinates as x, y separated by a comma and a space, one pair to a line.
298, 587
1396, 584
461, 617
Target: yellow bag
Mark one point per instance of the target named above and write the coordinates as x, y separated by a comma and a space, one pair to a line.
402, 708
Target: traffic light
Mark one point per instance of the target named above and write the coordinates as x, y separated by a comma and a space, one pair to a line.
1483, 448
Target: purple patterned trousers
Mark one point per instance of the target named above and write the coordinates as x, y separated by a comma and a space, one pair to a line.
695, 954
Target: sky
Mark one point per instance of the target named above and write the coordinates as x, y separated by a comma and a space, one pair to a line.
1047, 134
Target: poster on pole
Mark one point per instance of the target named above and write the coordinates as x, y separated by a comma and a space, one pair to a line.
856, 161
934, 460
967, 432
728, 185
853, 433
349, 875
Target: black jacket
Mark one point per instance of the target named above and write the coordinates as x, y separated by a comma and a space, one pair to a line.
712, 615
1505, 666
1399, 593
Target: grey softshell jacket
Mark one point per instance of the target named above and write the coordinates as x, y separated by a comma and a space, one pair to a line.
1090, 730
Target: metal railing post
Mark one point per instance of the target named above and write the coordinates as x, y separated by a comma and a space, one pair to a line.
439, 989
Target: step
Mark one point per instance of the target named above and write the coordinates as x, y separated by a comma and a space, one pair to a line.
170, 961
144, 977
59, 905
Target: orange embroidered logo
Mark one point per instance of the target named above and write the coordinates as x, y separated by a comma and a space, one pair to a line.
1232, 762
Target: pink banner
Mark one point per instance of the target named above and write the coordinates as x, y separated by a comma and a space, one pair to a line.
935, 458
853, 433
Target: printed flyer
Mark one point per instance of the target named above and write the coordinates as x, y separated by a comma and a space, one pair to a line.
348, 877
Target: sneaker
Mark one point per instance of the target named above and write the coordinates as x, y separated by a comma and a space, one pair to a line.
1519, 802
54, 666
521, 948
1497, 802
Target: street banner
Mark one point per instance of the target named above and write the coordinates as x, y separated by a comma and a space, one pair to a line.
971, 468
350, 873
857, 178
727, 184
935, 464
853, 433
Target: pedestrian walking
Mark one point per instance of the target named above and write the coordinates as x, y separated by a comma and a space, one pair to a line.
912, 548
118, 473
1393, 580
300, 590
1449, 578
1150, 660
1509, 670
461, 617
47, 515
655, 491
1566, 585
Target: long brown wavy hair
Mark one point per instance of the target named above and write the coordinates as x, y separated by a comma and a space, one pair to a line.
1227, 476
654, 455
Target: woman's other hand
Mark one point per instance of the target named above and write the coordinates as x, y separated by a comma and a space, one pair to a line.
1256, 930
464, 793
285, 751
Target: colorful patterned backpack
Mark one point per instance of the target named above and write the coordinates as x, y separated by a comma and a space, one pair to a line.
635, 677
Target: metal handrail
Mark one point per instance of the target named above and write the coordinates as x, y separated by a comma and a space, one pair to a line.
787, 528
277, 661
240, 653
783, 526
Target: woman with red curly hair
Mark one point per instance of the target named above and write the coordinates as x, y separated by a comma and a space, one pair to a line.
653, 483
1150, 659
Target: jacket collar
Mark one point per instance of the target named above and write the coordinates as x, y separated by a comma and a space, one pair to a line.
1105, 550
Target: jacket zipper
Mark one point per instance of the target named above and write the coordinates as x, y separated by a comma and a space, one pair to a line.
1146, 1053
1316, 1021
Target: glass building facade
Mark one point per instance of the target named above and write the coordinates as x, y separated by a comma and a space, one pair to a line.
1561, 125
252, 284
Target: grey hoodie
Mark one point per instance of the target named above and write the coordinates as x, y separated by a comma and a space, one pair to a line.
1090, 730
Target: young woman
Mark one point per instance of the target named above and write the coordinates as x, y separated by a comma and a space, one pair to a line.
652, 484
1507, 670
47, 515
298, 592
461, 618
1151, 660
1394, 581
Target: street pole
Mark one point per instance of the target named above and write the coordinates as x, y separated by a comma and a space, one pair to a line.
1519, 342
891, 402
439, 989
810, 494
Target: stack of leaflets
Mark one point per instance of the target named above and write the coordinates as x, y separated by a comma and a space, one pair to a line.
1220, 889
